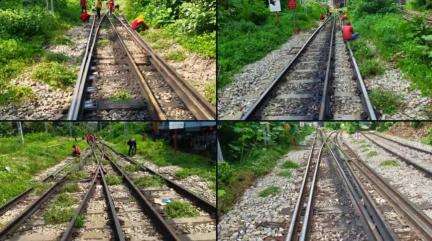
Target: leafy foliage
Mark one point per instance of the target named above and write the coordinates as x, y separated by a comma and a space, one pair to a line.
180, 209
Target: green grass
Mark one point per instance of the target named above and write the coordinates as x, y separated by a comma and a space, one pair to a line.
121, 96
26, 31
387, 102
290, 165
241, 41
389, 163
285, 173
39, 152
372, 154
54, 74
71, 187
162, 154
149, 181
79, 175
60, 210
210, 93
112, 180
40, 188
406, 44
132, 168
103, 42
270, 191
79, 221
176, 55
180, 209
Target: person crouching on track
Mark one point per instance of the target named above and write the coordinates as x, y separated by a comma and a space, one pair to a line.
98, 6
132, 146
83, 4
76, 151
348, 32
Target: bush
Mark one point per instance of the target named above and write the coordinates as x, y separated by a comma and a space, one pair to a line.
386, 101
54, 74
363, 7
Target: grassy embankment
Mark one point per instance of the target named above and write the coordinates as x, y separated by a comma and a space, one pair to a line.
247, 158
19, 163
191, 24
386, 37
161, 154
248, 32
24, 32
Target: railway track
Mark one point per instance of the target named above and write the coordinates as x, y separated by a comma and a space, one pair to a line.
403, 218
314, 86
157, 188
121, 77
413, 156
106, 204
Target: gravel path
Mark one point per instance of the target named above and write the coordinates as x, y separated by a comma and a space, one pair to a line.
238, 97
404, 178
47, 102
258, 218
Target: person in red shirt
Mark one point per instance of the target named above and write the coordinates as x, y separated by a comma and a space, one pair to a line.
76, 151
83, 6
111, 6
348, 32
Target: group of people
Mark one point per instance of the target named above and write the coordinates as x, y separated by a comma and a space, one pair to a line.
90, 138
98, 6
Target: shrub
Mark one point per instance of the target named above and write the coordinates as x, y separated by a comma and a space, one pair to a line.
270, 191
386, 101
180, 209
54, 74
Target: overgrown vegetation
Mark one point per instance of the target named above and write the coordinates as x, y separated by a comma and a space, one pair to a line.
112, 179
408, 44
180, 209
121, 96
149, 181
159, 152
388, 102
270, 191
20, 162
389, 163
26, 27
247, 157
54, 74
248, 31
60, 210
190, 23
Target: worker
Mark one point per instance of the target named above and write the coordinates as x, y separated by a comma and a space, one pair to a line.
83, 4
132, 146
111, 5
98, 6
76, 151
348, 32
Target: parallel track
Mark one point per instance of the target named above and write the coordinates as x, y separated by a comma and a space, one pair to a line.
420, 223
157, 92
303, 91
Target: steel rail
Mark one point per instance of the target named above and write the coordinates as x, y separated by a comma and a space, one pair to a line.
20, 196
29, 211
155, 109
405, 159
67, 235
165, 229
324, 112
297, 210
115, 222
417, 218
198, 200
200, 108
361, 86
377, 227
259, 102
78, 95
402, 144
